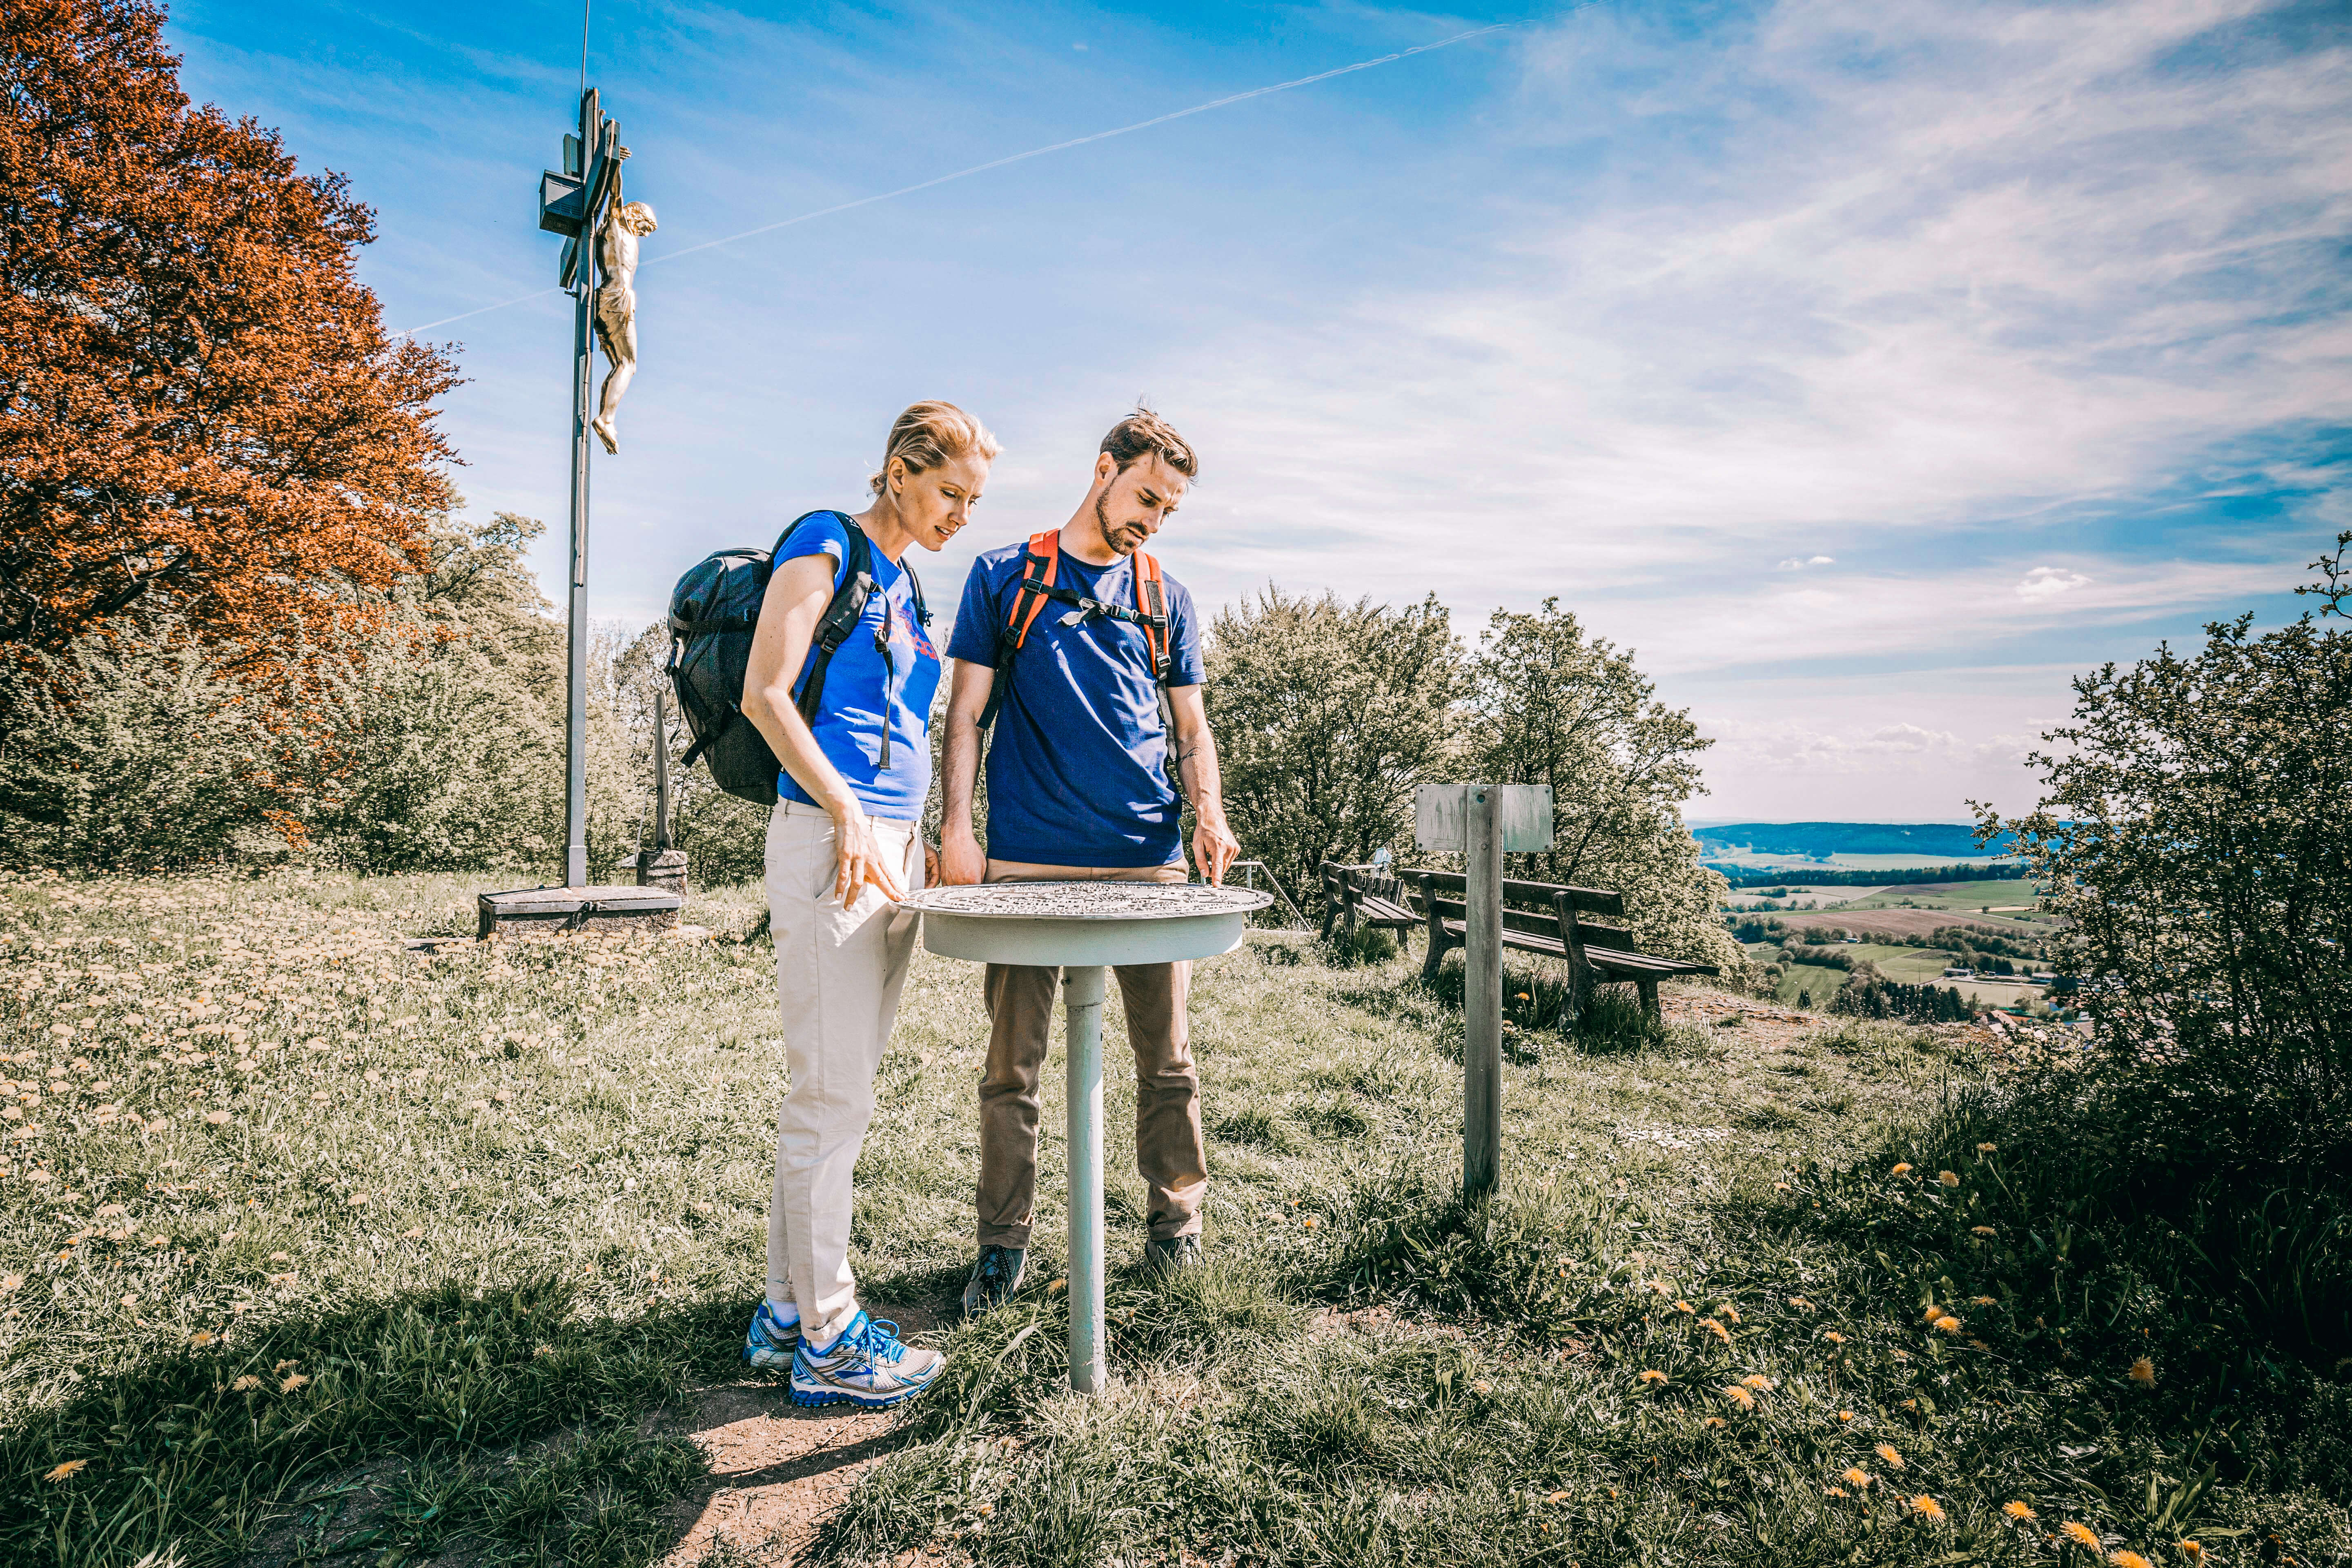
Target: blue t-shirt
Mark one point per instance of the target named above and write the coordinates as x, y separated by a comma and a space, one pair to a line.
1075, 773
860, 688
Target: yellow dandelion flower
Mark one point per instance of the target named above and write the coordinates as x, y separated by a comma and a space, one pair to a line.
1556, 1497
1949, 1178
292, 1383
2143, 1371
2194, 1550
1927, 1508
67, 1470
1987, 1147
1833, 1336
2017, 1510
1833, 1492
1982, 1230
1886, 1452
1739, 1397
1757, 1381
1902, 1168
1717, 1330
244, 1385
1858, 1477
1728, 1311
1983, 1301
1480, 1385
1801, 1303
2079, 1535
1845, 1414
1714, 1421
1654, 1377
2122, 1559
1947, 1325
1685, 1306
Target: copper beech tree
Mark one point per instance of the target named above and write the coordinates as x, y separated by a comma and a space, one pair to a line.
199, 405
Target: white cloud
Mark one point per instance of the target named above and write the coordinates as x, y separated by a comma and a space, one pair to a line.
2002, 258
2047, 582
1799, 563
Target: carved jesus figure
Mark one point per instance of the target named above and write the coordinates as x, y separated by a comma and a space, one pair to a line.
616, 308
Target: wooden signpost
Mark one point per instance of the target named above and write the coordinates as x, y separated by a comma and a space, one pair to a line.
1480, 822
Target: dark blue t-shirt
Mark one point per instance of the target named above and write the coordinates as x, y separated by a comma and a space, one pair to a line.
860, 688
1076, 773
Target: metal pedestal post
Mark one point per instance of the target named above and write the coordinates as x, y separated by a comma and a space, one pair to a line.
1082, 995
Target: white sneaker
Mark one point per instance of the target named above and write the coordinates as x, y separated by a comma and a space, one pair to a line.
867, 1365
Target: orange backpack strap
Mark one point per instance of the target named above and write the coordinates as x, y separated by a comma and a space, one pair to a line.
1152, 603
1037, 564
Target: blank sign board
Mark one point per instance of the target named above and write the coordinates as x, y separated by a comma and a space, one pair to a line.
1441, 816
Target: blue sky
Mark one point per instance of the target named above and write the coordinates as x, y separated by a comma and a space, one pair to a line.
1869, 366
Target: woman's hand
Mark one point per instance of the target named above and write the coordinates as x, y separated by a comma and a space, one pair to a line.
858, 858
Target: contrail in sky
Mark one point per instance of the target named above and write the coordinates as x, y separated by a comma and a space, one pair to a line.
1002, 162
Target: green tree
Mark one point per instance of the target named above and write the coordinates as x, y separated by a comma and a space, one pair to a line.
1327, 715
1554, 706
2196, 833
129, 750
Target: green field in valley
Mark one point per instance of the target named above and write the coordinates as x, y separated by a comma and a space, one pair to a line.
1966, 897
1818, 982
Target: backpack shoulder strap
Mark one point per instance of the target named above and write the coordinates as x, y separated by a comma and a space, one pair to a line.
854, 588
1151, 605
1038, 562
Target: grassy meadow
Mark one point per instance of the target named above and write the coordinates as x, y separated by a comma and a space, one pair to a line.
289, 1208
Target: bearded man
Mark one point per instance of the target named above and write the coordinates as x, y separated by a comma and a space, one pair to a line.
1088, 660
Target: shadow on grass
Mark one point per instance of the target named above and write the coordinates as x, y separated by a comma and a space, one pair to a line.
221, 1452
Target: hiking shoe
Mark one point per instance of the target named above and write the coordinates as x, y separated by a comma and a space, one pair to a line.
1176, 1252
867, 1365
770, 1344
994, 1279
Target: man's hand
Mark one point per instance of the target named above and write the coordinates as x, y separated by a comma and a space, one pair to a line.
931, 864
1215, 847
962, 865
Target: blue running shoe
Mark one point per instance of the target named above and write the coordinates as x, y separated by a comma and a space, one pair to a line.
867, 1365
770, 1344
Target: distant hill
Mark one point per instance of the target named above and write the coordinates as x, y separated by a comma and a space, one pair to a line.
1819, 841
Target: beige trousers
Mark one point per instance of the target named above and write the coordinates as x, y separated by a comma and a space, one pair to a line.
1168, 1151
838, 974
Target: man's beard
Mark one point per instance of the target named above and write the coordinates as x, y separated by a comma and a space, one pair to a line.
1111, 537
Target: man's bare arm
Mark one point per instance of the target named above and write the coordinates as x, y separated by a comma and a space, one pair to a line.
961, 860
1215, 847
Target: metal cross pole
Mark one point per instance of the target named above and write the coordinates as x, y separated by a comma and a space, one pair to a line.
571, 204
1083, 989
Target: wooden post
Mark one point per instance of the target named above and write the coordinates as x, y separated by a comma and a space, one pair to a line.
1482, 993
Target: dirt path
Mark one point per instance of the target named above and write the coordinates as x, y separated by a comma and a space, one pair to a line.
777, 1471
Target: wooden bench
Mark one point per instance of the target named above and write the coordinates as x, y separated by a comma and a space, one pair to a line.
1367, 896
1546, 918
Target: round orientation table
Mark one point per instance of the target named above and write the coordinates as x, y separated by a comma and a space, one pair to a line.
1081, 927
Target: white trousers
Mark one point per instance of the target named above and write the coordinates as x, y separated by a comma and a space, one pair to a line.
838, 974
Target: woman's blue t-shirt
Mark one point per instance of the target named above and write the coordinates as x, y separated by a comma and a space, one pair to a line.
863, 691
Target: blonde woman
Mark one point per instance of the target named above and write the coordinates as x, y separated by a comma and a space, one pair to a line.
844, 843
